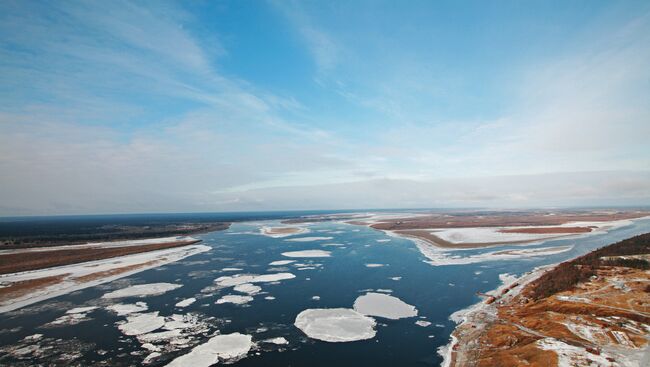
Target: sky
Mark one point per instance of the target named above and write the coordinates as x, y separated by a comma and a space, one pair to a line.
202, 106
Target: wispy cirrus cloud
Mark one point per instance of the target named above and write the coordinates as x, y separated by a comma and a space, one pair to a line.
131, 107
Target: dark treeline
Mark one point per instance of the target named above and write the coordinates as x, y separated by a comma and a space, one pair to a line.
566, 275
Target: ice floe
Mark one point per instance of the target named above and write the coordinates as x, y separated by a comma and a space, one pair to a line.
240, 279
422, 323
235, 299
81, 309
277, 341
219, 348
122, 309
335, 324
247, 288
186, 302
281, 262
142, 290
374, 265
383, 305
307, 253
142, 323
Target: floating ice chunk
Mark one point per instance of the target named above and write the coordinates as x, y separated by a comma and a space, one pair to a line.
235, 280
33, 337
383, 305
278, 341
122, 309
159, 336
229, 281
218, 349
151, 357
186, 302
236, 299
281, 262
272, 277
308, 239
307, 253
69, 319
335, 324
142, 290
142, 323
316, 298
81, 309
384, 240
395, 278
422, 323
374, 265
232, 269
269, 298
247, 288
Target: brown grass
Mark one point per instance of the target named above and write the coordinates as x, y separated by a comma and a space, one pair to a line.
499, 220
19, 289
112, 272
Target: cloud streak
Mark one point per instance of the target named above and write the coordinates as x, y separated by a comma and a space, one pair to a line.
129, 107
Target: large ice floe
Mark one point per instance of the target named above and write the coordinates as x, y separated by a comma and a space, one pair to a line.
383, 305
219, 348
307, 253
142, 323
142, 290
335, 324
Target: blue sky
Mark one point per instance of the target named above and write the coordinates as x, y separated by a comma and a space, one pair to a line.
110, 107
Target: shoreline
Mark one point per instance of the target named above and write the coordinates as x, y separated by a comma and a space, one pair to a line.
600, 316
474, 312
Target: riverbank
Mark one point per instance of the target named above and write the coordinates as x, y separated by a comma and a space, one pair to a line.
593, 310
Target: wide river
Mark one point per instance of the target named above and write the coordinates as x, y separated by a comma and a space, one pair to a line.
323, 282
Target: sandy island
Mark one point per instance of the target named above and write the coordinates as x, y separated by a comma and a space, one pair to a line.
466, 231
279, 232
32, 275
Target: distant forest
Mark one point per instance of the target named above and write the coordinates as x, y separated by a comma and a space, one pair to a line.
566, 275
